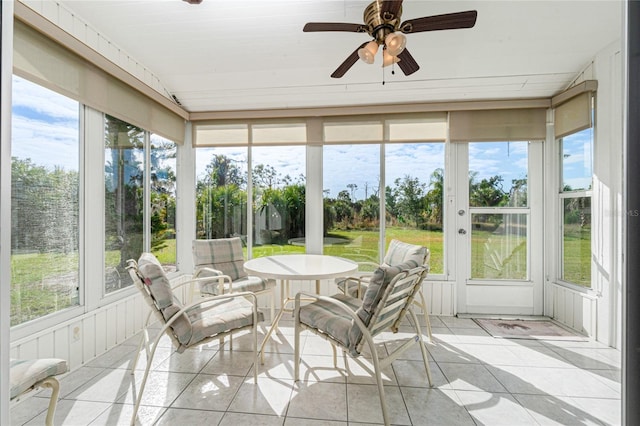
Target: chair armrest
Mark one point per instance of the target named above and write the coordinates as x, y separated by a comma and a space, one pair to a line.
219, 275
192, 281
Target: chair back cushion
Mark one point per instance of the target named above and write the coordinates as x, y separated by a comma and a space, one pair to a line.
371, 298
159, 286
399, 252
223, 254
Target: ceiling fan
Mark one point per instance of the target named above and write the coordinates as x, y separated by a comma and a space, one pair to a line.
382, 22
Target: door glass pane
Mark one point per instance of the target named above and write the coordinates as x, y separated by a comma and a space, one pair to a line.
221, 193
163, 201
278, 175
45, 204
576, 242
123, 177
414, 197
351, 187
498, 174
499, 246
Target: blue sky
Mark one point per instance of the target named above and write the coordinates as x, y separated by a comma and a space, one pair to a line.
45, 126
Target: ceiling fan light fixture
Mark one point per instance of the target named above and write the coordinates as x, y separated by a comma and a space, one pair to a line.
368, 53
388, 59
395, 43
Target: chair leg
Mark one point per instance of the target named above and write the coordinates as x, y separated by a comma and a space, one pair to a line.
376, 369
273, 304
423, 348
51, 382
147, 369
255, 348
335, 356
296, 345
425, 310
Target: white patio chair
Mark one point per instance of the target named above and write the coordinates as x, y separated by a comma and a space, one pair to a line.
397, 253
223, 258
350, 322
192, 324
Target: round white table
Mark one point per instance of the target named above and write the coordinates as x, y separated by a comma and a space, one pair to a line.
300, 267
289, 267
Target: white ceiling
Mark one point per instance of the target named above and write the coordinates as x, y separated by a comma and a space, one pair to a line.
241, 54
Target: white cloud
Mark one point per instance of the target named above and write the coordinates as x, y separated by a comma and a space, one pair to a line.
47, 144
43, 101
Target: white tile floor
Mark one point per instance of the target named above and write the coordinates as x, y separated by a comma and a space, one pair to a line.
477, 380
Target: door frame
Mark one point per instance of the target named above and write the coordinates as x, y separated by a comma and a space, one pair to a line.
506, 297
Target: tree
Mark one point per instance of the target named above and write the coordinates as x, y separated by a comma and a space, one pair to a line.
435, 196
162, 197
222, 171
518, 193
352, 187
390, 202
487, 192
265, 176
45, 205
409, 195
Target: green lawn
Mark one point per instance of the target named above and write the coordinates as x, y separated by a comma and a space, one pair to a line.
41, 282
577, 254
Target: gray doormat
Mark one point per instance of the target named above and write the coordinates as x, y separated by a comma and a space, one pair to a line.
525, 329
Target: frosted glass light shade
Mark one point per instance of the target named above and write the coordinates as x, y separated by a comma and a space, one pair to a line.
388, 59
395, 43
368, 53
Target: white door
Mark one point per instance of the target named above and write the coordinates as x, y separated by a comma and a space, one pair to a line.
498, 227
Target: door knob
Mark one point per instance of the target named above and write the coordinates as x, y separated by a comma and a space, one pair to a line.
461, 231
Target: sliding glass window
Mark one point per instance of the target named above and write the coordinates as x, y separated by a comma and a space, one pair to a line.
279, 184
124, 200
163, 200
575, 203
351, 185
45, 205
414, 197
221, 193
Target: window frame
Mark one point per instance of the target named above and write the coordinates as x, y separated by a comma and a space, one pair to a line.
561, 196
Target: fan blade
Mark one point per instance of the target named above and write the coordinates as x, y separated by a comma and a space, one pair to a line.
348, 63
407, 64
390, 9
449, 21
334, 26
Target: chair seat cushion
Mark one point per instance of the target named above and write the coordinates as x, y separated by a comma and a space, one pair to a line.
249, 283
25, 373
329, 319
219, 316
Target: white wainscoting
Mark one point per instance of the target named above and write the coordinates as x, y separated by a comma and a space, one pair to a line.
572, 308
440, 297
